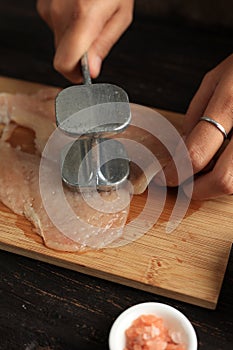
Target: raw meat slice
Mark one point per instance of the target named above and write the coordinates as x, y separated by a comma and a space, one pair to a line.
36, 112
20, 170
40, 103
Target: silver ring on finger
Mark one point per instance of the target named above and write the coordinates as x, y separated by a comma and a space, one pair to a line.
216, 124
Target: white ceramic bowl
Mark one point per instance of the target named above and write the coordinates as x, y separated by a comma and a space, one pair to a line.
174, 320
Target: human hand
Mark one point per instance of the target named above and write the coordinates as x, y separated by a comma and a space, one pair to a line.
203, 140
84, 25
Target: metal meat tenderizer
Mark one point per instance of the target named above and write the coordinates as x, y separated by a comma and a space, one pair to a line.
90, 113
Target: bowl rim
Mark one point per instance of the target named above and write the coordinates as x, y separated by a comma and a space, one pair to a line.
163, 306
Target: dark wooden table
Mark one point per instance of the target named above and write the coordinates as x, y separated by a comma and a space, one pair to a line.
159, 62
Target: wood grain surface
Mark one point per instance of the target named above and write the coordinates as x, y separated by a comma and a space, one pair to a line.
160, 62
195, 255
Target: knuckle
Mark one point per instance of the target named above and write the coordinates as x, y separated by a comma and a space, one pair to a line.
197, 158
60, 65
78, 9
55, 11
227, 104
42, 8
82, 8
128, 18
209, 78
188, 114
225, 182
103, 47
127, 13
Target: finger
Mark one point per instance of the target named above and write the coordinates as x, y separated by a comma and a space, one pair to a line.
74, 42
218, 182
202, 97
112, 31
88, 35
201, 145
220, 106
43, 8
205, 139
199, 102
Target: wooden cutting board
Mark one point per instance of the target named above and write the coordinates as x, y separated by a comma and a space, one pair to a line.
188, 264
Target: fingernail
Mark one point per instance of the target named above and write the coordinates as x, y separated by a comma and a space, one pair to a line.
96, 65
